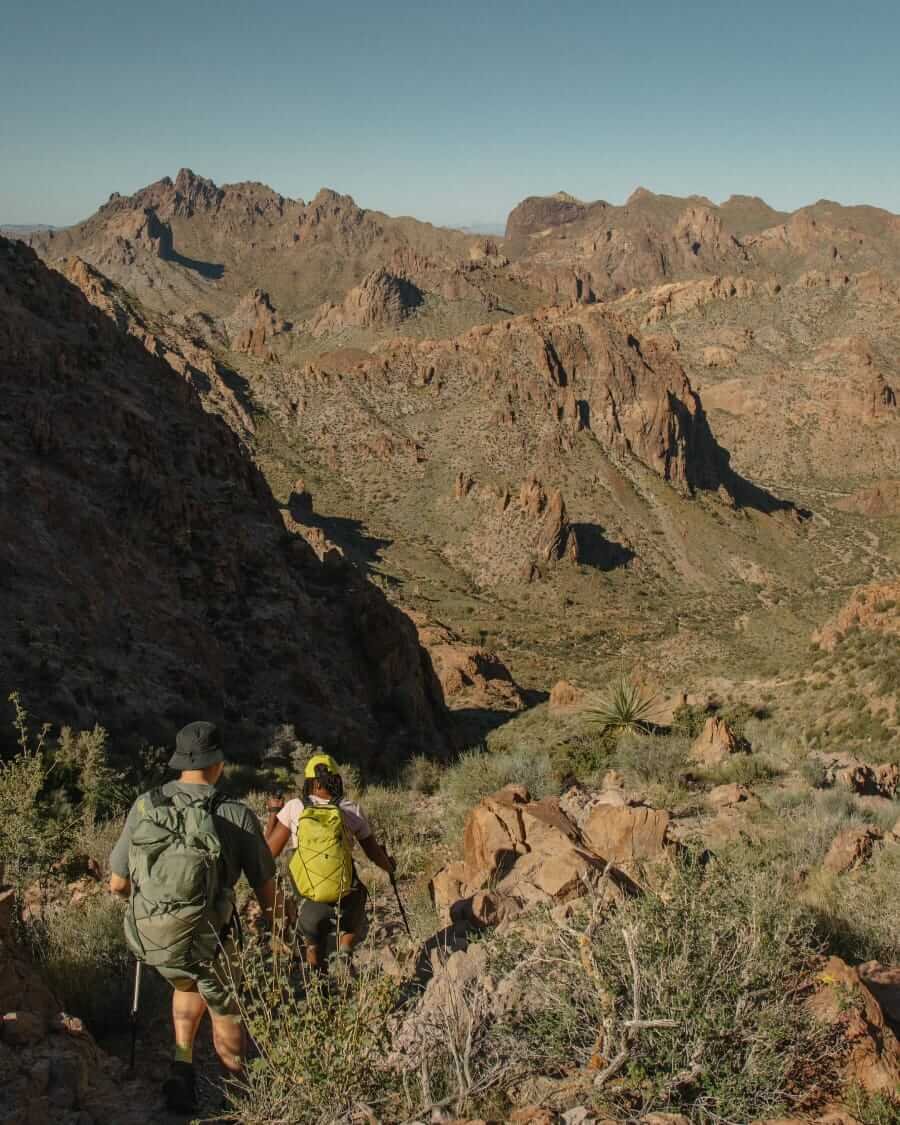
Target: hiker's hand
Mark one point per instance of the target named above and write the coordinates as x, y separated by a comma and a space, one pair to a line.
275, 804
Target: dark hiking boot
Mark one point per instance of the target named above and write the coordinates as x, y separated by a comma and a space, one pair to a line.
179, 1089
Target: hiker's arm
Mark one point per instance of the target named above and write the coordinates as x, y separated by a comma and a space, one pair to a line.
277, 836
377, 854
119, 885
274, 805
119, 882
266, 896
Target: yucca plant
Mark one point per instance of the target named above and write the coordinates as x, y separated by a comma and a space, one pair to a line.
626, 708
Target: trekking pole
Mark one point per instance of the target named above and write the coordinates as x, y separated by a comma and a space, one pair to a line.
400, 903
135, 1002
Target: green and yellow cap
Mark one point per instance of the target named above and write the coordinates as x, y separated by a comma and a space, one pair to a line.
325, 760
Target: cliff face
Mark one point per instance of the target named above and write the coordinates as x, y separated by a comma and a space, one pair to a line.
147, 574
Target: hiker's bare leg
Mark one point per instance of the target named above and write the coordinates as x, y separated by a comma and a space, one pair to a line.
312, 956
228, 1039
347, 943
188, 1009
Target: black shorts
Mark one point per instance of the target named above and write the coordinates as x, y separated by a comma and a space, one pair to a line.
315, 920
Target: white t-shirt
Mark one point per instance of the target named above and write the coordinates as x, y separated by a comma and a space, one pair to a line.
355, 820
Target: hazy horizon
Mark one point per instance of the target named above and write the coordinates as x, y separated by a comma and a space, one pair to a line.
450, 114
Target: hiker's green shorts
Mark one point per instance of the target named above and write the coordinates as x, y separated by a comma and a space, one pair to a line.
316, 919
217, 983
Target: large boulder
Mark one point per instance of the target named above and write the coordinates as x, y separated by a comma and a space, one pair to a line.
883, 981
527, 852
844, 1003
630, 836
851, 848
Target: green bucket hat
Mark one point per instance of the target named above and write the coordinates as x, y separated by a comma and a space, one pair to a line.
197, 746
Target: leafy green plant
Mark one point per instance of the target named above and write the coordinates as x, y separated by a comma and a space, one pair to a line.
320, 1044
27, 842
626, 708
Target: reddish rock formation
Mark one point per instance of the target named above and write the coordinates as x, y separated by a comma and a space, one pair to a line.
470, 676
528, 852
851, 848
628, 836
873, 608
253, 324
565, 697
382, 300
716, 742
538, 212
844, 1003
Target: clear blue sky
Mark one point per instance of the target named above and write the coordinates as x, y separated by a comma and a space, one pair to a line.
450, 111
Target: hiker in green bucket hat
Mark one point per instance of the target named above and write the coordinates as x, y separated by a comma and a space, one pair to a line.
182, 850
322, 827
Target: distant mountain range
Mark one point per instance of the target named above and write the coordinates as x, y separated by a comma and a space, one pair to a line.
25, 228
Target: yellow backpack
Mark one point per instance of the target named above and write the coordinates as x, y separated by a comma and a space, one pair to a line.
322, 865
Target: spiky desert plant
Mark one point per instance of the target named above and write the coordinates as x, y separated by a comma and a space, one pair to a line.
626, 708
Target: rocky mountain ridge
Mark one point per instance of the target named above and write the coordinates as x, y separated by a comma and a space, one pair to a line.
147, 573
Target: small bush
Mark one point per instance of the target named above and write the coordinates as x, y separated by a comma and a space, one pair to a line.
422, 775
320, 1048
689, 719
409, 838
476, 774
720, 956
81, 948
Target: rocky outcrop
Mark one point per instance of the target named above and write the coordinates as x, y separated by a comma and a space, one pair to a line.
860, 777
684, 297
851, 848
51, 1069
220, 390
538, 212
872, 608
630, 836
253, 324
470, 676
527, 852
147, 574
870, 1051
565, 697
382, 300
518, 538
716, 743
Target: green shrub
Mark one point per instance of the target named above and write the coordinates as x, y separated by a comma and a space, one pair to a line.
409, 838
81, 949
720, 956
689, 719
422, 774
28, 842
475, 774
626, 708
320, 1049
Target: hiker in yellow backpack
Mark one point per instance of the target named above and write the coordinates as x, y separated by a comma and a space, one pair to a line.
322, 827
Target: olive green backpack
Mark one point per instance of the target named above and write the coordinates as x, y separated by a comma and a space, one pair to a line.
179, 900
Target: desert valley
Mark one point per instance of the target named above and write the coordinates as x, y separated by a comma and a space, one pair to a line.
577, 546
